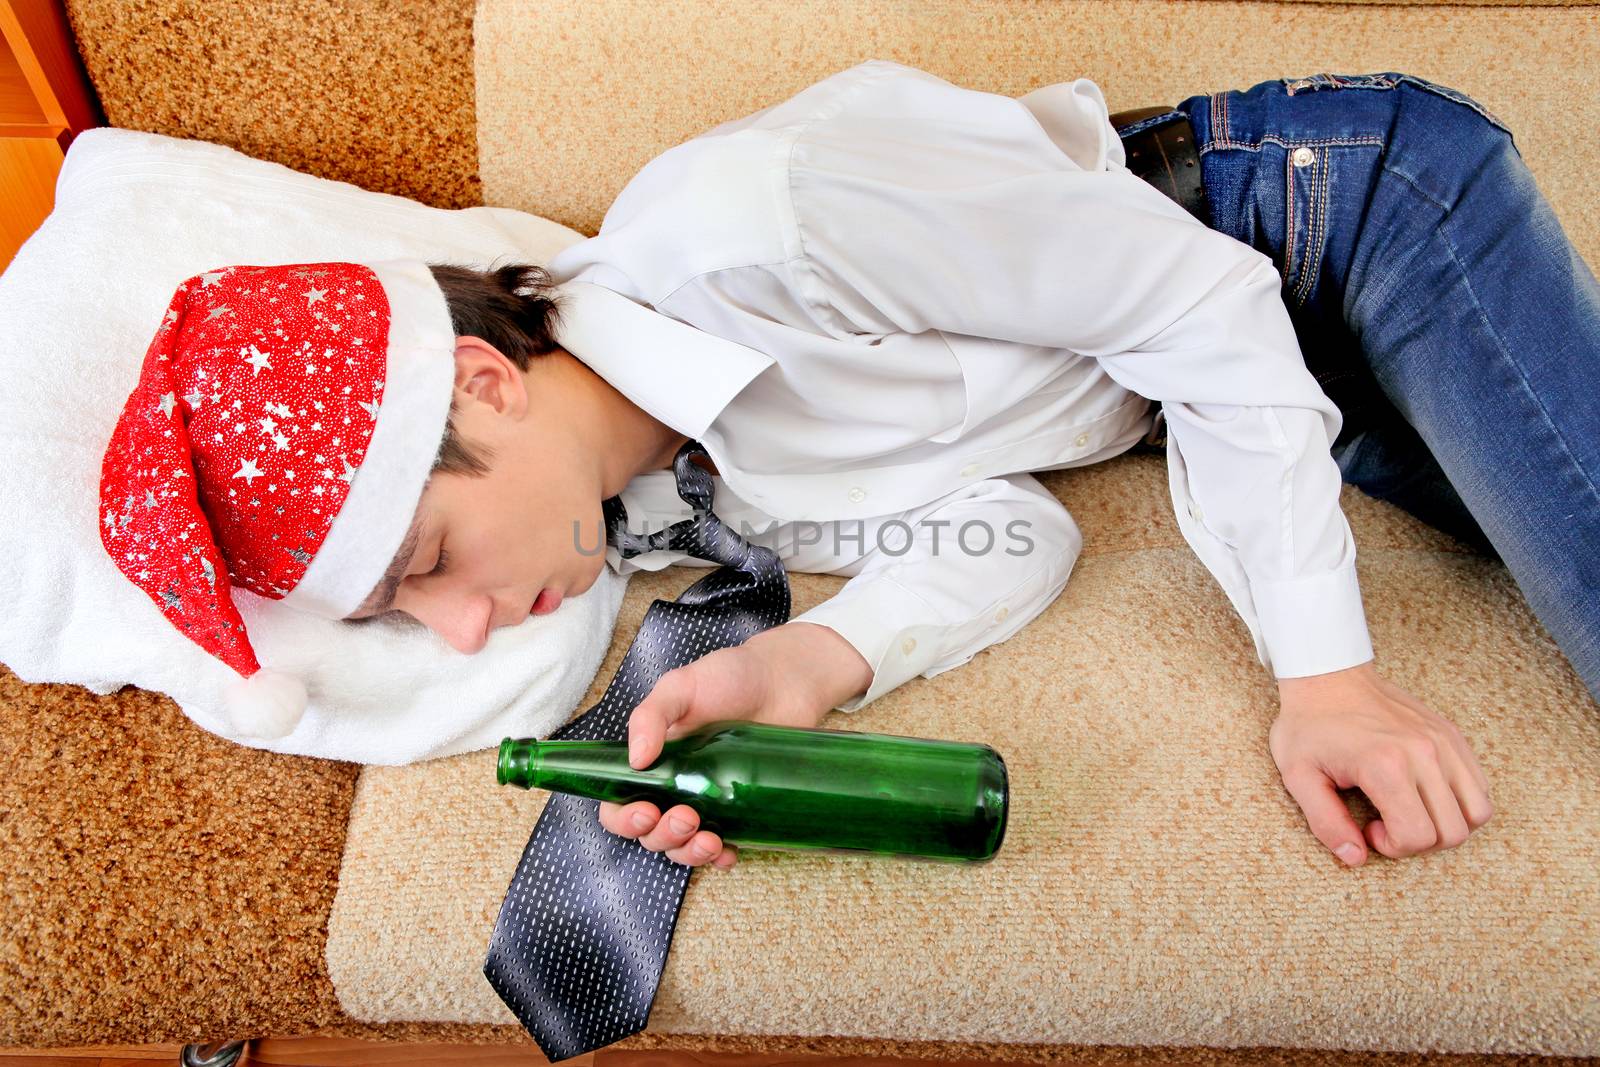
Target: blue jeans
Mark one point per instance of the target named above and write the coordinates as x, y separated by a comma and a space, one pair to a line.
1440, 305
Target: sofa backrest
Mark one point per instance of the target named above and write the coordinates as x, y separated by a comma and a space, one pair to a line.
550, 107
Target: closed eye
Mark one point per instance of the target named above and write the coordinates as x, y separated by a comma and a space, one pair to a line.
438, 568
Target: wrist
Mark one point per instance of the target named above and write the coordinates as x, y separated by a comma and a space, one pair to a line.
1318, 683
812, 665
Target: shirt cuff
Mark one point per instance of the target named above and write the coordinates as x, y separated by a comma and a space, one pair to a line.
882, 621
1313, 624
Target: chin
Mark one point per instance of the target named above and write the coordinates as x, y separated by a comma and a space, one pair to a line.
585, 585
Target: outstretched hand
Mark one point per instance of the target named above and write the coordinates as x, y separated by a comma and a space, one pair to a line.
1356, 728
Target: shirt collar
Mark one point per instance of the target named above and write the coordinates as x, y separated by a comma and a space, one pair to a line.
678, 373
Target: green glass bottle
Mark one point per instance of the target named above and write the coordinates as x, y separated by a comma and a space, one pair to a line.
757, 785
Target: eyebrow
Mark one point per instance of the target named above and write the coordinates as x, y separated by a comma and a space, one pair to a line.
382, 596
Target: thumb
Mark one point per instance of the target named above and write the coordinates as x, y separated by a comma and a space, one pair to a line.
665, 704
1330, 821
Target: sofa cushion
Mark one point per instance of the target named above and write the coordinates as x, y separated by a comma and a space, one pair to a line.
356, 91
566, 148
1158, 885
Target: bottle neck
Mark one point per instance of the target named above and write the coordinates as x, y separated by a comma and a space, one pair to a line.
597, 769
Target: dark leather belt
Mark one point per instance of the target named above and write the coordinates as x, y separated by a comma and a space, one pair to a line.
1163, 153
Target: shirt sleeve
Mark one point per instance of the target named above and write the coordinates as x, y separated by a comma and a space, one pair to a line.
930, 207
944, 581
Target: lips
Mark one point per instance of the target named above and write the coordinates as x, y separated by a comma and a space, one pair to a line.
547, 601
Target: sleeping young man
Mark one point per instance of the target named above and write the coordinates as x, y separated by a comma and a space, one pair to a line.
882, 302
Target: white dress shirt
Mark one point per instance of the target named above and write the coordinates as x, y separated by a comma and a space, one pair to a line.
931, 291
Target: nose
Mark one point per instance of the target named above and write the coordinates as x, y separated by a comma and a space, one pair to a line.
463, 621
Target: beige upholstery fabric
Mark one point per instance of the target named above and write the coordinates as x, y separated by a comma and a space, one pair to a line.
1157, 885
1158, 899
560, 130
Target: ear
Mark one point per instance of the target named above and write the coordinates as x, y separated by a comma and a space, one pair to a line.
487, 375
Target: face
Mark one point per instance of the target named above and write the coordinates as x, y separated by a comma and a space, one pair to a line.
491, 550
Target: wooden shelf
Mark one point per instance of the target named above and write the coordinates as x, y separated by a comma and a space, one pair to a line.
20, 112
45, 99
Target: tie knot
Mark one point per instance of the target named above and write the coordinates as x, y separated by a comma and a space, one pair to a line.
703, 536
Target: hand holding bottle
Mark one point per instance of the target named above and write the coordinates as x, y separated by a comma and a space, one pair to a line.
790, 675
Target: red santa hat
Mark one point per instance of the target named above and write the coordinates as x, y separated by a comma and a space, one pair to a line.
280, 434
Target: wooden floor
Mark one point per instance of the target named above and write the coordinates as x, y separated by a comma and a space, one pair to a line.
335, 1052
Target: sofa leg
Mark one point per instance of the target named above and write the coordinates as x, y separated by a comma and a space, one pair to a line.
215, 1054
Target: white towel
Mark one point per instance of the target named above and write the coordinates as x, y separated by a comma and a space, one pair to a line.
135, 215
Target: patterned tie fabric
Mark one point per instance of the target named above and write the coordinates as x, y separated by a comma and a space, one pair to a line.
582, 936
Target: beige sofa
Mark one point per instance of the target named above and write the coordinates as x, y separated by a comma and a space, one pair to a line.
1158, 898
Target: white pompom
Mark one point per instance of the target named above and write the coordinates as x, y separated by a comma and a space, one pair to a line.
267, 705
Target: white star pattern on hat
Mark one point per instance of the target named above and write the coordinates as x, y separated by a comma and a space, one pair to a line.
252, 372
248, 471
238, 305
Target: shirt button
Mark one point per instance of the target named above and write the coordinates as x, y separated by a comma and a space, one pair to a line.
1000, 615
969, 470
1303, 156
1081, 440
856, 494
909, 645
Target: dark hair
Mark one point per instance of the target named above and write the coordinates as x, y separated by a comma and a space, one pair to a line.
515, 309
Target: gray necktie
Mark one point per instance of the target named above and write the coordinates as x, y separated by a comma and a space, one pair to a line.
582, 936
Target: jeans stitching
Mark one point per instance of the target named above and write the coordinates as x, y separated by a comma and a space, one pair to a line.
1505, 353
1383, 81
1334, 81
1326, 165
1458, 97
1308, 257
1288, 218
1443, 229
1311, 263
1305, 265
1315, 142
1154, 120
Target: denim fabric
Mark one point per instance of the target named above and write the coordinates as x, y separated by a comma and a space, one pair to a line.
1440, 305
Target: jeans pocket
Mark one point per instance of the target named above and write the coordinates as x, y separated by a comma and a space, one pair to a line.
1462, 98
1388, 80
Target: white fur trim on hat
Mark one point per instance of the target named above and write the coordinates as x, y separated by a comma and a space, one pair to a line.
266, 705
386, 488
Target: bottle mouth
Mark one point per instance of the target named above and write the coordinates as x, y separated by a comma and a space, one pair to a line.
1005, 801
502, 770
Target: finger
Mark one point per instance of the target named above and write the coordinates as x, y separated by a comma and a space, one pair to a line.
1461, 805
727, 858
667, 702
702, 848
628, 820
677, 826
1330, 821
1457, 739
1449, 825
1404, 827
1470, 784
